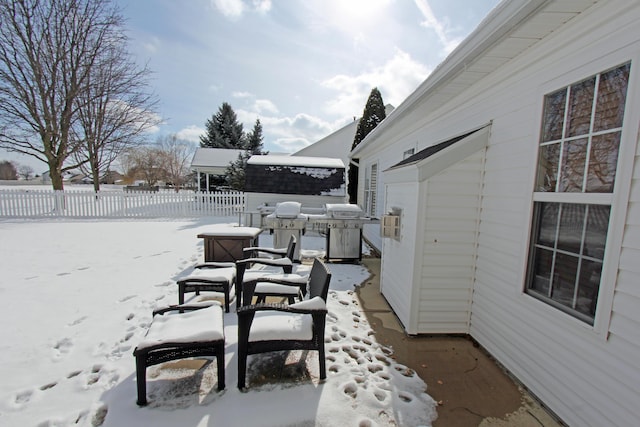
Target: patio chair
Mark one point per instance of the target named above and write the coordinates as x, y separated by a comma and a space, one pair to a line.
260, 251
209, 277
245, 273
180, 332
268, 327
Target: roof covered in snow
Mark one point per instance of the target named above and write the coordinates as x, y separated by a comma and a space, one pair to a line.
214, 157
316, 162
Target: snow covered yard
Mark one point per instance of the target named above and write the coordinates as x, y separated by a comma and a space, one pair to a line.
77, 297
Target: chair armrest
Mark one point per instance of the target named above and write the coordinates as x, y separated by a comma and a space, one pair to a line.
280, 251
184, 307
253, 308
280, 279
214, 264
277, 262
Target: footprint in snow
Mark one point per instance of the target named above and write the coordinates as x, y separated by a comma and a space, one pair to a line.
73, 374
62, 347
48, 386
127, 298
23, 397
351, 389
100, 376
78, 321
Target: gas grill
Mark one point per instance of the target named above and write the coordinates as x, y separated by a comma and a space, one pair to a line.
285, 221
342, 224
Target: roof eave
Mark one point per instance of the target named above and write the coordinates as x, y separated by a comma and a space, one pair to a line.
497, 25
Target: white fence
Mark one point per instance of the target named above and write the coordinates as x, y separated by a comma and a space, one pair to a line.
117, 204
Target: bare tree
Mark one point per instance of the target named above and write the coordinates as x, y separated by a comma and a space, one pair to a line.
48, 51
114, 111
177, 158
145, 162
25, 171
8, 170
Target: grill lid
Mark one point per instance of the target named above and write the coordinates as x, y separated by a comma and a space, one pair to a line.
344, 210
288, 209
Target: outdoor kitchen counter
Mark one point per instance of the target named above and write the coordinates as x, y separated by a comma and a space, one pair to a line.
225, 244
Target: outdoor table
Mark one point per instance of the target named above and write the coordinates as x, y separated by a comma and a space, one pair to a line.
225, 244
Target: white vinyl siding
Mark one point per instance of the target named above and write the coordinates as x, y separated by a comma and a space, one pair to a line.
588, 375
450, 212
398, 261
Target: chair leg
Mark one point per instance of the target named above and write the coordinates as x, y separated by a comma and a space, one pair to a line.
221, 373
181, 293
242, 369
141, 379
226, 297
321, 359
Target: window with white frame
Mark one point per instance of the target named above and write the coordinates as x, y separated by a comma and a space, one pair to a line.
370, 189
408, 153
577, 161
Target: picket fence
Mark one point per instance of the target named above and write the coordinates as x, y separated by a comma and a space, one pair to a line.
118, 204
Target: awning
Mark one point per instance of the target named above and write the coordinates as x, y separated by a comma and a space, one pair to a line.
438, 157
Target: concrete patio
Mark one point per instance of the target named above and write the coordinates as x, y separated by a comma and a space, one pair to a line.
470, 387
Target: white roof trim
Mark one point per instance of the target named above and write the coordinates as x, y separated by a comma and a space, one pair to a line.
302, 161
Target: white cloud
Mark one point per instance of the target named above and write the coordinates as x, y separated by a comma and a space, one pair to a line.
242, 95
290, 145
230, 8
262, 6
152, 45
265, 106
395, 79
191, 133
440, 28
234, 9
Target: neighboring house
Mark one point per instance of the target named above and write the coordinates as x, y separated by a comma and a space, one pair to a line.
338, 144
520, 207
312, 181
210, 165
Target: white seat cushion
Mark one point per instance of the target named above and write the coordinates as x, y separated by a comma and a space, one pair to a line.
315, 303
212, 274
278, 325
291, 277
201, 325
275, 288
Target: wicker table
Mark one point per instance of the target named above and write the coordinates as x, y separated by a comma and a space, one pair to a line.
226, 243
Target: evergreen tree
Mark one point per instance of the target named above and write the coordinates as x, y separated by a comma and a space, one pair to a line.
254, 139
374, 113
236, 170
223, 130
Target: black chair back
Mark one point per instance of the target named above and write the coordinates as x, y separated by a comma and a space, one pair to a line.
319, 279
291, 247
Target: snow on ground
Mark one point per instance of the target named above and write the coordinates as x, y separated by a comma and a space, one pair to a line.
77, 297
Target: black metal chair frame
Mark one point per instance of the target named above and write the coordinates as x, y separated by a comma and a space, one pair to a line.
254, 251
168, 351
202, 284
242, 265
319, 280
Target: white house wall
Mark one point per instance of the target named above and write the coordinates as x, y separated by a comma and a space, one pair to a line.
398, 263
554, 354
450, 213
588, 375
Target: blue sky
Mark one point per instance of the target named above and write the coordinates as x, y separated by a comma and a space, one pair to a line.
304, 67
